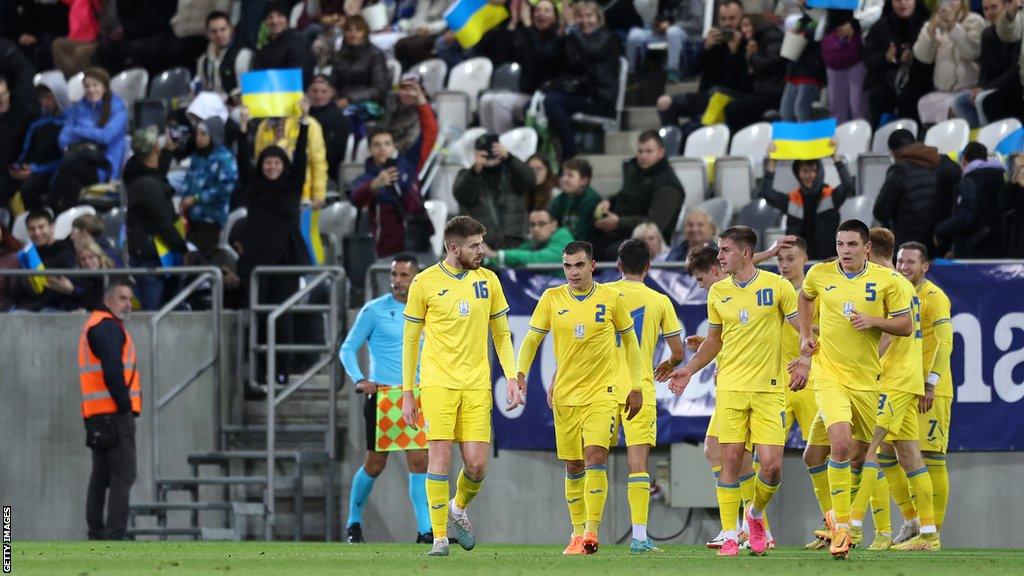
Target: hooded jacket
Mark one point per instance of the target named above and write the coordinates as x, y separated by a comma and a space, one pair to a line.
812, 213
150, 209
975, 229
890, 29
648, 195
288, 50
41, 149
315, 187
917, 193
211, 178
361, 73
82, 126
954, 53
496, 197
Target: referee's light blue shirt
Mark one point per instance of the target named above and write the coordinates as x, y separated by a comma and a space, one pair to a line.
379, 324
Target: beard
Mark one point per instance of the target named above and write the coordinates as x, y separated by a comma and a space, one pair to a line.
468, 262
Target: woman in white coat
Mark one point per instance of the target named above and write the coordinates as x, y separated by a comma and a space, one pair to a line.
952, 42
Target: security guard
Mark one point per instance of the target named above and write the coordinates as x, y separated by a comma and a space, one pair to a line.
111, 400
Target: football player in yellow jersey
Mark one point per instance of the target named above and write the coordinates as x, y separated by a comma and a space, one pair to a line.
745, 317
934, 407
453, 304
857, 301
653, 315
586, 317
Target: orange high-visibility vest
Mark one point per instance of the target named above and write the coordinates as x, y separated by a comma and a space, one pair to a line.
96, 397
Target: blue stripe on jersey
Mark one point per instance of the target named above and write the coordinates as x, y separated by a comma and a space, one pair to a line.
497, 314
900, 312
918, 472
539, 330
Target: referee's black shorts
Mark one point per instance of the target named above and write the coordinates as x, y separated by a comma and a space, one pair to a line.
370, 416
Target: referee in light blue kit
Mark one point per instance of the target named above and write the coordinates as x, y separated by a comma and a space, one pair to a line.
380, 326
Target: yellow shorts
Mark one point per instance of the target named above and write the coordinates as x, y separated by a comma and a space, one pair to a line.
457, 415
588, 425
934, 425
712, 426
642, 429
838, 403
897, 415
756, 417
818, 435
800, 409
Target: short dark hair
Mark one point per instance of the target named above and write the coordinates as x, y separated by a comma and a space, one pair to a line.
854, 225
800, 243
883, 241
39, 214
722, 3
91, 223
974, 151
118, 282
700, 259
545, 210
377, 131
406, 257
217, 15
634, 256
578, 246
900, 139
579, 165
743, 236
919, 247
651, 135
462, 227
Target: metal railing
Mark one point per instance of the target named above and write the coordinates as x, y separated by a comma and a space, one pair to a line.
333, 276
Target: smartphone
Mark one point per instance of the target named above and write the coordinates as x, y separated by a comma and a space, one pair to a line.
727, 35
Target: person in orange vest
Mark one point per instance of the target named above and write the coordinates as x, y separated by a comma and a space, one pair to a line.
111, 400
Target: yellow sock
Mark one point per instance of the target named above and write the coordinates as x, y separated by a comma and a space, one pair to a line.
840, 480
466, 489
757, 468
868, 477
715, 471
574, 500
595, 490
936, 464
898, 486
638, 492
921, 483
854, 483
747, 489
880, 505
437, 499
763, 492
819, 479
728, 505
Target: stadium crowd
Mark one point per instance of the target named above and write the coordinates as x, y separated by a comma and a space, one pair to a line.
67, 135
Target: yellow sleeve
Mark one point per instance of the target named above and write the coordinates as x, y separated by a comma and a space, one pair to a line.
624, 326
670, 325
787, 299
810, 285
714, 318
499, 305
943, 330
415, 310
502, 337
317, 159
540, 324
898, 296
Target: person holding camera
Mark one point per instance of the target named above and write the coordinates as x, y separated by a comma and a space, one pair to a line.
895, 80
390, 185
493, 192
952, 42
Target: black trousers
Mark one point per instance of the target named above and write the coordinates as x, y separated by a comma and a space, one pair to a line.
113, 470
74, 174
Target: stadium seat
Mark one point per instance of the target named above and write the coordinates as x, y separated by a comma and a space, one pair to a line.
76, 87
949, 136
337, 220
432, 72
979, 105
173, 87
394, 71
853, 139
113, 222
761, 217
130, 86
453, 110
442, 187
19, 229
471, 77
734, 180
693, 176
362, 152
871, 171
438, 213
62, 225
720, 211
880, 141
233, 218
672, 137
992, 134
506, 78
150, 112
708, 141
858, 207
610, 124
50, 76
521, 142
753, 142
461, 149
348, 172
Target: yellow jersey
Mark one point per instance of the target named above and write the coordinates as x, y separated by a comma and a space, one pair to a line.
653, 315
751, 316
935, 311
846, 355
455, 308
585, 328
791, 349
901, 364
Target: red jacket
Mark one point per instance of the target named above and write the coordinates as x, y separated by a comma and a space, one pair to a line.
83, 20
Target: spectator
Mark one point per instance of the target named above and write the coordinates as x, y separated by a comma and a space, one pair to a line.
94, 138
621, 17
917, 192
286, 48
812, 209
390, 182
496, 44
148, 39
40, 154
9, 248
895, 81
360, 69
424, 28
997, 71
698, 230
951, 42
227, 57
546, 183
806, 75
721, 65
150, 215
975, 229
842, 49
650, 192
762, 43
544, 246
89, 229
574, 207
332, 121
667, 27
493, 191
655, 242
589, 81
37, 24
540, 50
284, 133
18, 103
55, 254
1011, 203
212, 177
1010, 28
72, 52
88, 291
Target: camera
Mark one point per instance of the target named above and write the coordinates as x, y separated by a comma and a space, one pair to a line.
485, 143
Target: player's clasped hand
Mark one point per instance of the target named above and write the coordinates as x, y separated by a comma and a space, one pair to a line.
516, 393
680, 378
798, 370
410, 410
862, 321
693, 342
634, 402
662, 372
808, 346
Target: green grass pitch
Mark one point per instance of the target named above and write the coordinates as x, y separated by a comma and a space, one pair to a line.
313, 559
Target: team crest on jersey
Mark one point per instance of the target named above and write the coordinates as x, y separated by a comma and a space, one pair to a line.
578, 331
744, 316
848, 308
463, 307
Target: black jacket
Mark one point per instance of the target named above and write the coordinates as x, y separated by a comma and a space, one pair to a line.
719, 67
620, 15
1011, 205
106, 340
902, 33
767, 66
146, 19
818, 229
917, 194
540, 56
592, 69
497, 45
335, 128
150, 209
975, 229
998, 62
496, 197
18, 71
38, 17
60, 254
289, 50
361, 73
651, 195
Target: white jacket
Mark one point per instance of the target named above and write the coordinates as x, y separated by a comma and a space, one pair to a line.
955, 53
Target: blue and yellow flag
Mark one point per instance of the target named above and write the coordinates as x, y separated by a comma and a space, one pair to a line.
272, 93
471, 19
834, 4
310, 224
168, 257
803, 140
30, 260
1012, 143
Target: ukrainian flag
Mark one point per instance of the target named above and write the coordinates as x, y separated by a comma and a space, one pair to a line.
272, 93
834, 4
1011, 143
310, 224
471, 19
30, 260
168, 257
803, 140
